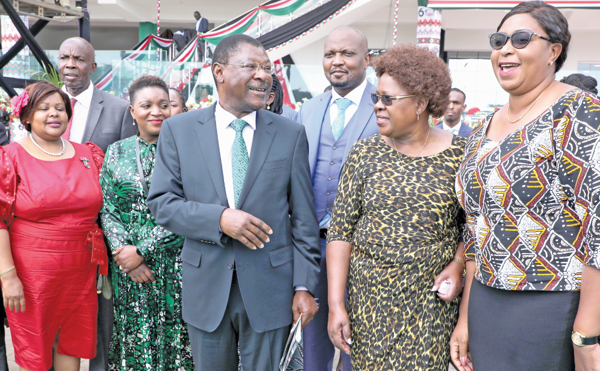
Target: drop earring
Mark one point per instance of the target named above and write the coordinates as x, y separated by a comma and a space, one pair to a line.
268, 106
418, 116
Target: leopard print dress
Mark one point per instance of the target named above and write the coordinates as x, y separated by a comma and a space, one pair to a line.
403, 218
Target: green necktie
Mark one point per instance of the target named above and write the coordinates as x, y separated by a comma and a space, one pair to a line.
239, 158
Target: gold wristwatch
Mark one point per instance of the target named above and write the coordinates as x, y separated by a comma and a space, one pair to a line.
580, 340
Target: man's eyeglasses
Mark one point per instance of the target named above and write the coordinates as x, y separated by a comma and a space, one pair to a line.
253, 67
387, 100
519, 39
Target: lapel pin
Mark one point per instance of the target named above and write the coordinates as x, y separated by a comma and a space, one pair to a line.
85, 162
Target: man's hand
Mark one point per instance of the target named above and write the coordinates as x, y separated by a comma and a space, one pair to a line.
127, 258
304, 303
245, 228
142, 274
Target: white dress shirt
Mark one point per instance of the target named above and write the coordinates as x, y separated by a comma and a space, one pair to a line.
80, 112
226, 136
355, 97
454, 130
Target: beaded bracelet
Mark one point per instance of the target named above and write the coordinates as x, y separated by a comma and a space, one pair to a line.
7, 270
461, 262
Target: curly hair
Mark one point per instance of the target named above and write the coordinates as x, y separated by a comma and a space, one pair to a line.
420, 73
38, 92
146, 81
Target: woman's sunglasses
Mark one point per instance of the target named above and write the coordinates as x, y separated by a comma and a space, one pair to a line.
519, 39
387, 100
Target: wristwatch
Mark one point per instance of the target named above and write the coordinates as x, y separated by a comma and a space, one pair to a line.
580, 340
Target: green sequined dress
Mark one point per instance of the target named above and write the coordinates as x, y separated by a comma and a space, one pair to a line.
149, 332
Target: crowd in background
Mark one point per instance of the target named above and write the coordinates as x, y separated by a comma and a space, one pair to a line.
144, 236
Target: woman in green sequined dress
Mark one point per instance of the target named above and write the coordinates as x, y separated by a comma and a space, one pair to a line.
149, 332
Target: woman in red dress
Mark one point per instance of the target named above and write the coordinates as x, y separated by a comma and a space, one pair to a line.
50, 243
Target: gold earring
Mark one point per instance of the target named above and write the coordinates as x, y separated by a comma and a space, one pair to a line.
551, 63
418, 116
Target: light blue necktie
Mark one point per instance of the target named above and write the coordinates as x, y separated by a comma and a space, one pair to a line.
337, 126
239, 158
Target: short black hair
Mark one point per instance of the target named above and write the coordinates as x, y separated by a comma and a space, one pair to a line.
226, 47
146, 81
180, 95
583, 82
551, 20
277, 105
460, 91
229, 45
198, 13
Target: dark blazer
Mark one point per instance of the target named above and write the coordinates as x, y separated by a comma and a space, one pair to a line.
203, 26
3, 136
109, 120
312, 114
464, 130
187, 197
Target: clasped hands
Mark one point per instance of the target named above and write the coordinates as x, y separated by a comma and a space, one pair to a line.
254, 233
133, 264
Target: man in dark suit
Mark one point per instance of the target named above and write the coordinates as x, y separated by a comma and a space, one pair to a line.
201, 23
452, 118
334, 121
234, 180
100, 118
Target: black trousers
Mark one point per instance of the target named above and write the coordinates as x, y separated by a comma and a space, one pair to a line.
217, 350
521, 330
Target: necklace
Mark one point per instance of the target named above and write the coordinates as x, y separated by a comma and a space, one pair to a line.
528, 109
414, 158
50, 153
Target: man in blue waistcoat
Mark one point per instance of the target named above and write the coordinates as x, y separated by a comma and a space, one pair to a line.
334, 121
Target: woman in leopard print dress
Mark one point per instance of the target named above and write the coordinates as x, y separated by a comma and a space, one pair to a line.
396, 223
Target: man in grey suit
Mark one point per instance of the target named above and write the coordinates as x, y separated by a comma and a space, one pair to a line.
98, 117
234, 180
453, 115
334, 121
102, 119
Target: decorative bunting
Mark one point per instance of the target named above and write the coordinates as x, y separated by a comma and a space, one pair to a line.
334, 15
395, 22
282, 7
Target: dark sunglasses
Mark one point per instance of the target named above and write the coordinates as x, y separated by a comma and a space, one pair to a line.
387, 100
519, 39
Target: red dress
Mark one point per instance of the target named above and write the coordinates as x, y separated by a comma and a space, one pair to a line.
50, 209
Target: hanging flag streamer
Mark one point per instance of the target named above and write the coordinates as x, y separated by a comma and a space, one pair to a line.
396, 22
158, 18
139, 53
282, 7
288, 96
214, 37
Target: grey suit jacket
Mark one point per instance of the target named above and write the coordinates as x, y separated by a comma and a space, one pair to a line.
464, 130
187, 196
109, 120
312, 114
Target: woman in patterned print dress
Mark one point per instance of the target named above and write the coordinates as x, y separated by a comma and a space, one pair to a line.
529, 184
149, 332
396, 225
